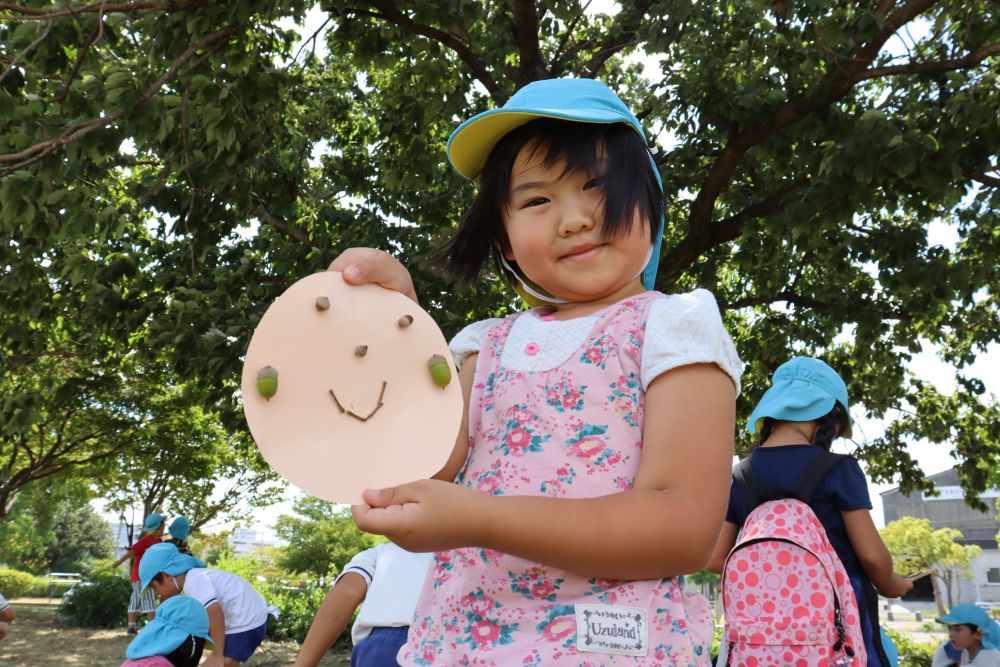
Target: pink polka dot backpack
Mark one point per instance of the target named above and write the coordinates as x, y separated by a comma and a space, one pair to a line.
786, 596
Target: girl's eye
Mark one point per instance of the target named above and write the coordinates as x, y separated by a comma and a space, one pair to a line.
595, 182
537, 201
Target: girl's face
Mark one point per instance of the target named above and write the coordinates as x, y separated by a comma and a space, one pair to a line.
963, 638
553, 228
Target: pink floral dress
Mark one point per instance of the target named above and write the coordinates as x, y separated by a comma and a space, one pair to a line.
572, 429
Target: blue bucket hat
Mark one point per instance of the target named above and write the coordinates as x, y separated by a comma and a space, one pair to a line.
164, 557
152, 522
582, 100
970, 614
802, 389
176, 619
180, 528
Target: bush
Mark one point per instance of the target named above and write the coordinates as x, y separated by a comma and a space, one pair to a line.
14, 584
42, 587
99, 602
298, 607
911, 653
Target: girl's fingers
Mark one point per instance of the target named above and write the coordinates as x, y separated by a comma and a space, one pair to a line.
370, 266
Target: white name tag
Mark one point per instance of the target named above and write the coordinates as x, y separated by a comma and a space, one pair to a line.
605, 628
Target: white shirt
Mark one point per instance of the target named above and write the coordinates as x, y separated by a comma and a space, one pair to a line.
984, 658
394, 577
3, 602
243, 607
677, 334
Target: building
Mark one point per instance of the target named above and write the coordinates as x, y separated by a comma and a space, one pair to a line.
244, 540
948, 509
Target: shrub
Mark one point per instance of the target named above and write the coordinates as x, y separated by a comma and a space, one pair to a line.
911, 653
42, 587
99, 602
298, 607
14, 584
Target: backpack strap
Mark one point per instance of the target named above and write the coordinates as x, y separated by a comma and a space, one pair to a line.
814, 474
817, 469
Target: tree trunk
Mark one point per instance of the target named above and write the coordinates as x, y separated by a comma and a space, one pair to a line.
937, 594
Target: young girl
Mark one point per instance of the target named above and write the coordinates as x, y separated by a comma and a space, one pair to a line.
179, 530
591, 466
141, 601
805, 409
972, 635
175, 638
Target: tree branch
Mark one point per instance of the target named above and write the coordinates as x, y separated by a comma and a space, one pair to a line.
23, 13
28, 49
984, 178
37, 152
391, 12
621, 34
786, 296
280, 224
524, 23
834, 85
965, 62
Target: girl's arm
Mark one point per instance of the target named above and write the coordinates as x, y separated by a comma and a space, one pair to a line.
665, 526
128, 555
872, 554
723, 545
332, 618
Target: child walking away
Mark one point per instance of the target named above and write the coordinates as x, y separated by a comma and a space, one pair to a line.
179, 530
388, 580
591, 469
973, 637
141, 602
237, 614
798, 418
175, 638
6, 616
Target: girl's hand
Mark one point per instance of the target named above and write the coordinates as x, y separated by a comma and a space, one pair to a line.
368, 265
897, 587
428, 515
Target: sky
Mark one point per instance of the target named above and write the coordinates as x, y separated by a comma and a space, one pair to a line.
925, 365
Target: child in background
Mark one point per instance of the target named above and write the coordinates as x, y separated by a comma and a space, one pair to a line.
6, 616
388, 580
237, 614
805, 409
175, 638
179, 530
590, 470
141, 602
972, 635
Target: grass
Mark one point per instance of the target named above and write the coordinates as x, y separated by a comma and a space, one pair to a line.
38, 638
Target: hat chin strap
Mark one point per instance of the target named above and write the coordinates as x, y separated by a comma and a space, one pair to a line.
545, 296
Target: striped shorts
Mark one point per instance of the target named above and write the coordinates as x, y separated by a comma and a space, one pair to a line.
142, 601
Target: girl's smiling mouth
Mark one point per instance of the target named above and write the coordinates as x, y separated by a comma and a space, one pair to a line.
350, 413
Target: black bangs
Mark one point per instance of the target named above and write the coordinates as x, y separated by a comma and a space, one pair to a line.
612, 151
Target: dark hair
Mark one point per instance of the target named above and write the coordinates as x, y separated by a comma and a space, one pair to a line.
188, 654
826, 428
629, 183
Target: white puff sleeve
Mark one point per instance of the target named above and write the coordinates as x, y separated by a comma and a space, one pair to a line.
470, 340
684, 329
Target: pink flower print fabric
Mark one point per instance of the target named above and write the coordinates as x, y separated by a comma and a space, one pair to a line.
572, 431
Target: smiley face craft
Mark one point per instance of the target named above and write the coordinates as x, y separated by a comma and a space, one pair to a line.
349, 387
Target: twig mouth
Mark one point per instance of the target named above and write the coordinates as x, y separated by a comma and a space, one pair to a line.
351, 413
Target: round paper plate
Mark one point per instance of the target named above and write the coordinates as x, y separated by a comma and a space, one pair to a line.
356, 404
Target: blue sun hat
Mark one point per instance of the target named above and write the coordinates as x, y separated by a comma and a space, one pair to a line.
152, 522
164, 557
176, 619
582, 100
970, 614
889, 647
179, 528
802, 389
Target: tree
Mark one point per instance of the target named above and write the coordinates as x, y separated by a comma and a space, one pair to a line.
212, 156
321, 539
53, 528
185, 461
915, 546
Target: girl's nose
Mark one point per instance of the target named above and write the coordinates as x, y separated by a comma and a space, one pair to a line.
575, 219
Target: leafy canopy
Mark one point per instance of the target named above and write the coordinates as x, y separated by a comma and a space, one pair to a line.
166, 169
